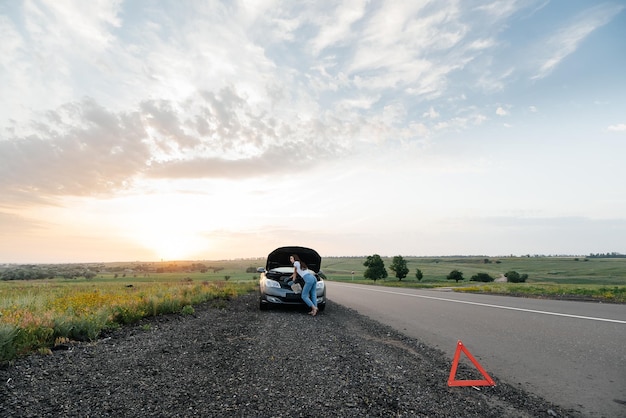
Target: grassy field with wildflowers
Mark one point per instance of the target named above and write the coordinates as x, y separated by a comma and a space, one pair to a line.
37, 315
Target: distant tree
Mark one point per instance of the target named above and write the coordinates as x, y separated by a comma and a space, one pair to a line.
482, 277
515, 277
375, 268
418, 274
398, 265
455, 275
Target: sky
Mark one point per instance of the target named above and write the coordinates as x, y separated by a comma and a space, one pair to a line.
206, 130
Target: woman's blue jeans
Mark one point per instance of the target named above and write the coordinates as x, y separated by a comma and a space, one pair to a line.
309, 292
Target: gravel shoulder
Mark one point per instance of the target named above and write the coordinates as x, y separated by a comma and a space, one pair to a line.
234, 360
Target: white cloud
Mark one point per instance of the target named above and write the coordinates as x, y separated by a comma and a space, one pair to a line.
79, 149
500, 10
620, 127
336, 28
567, 39
491, 82
479, 119
431, 114
500, 111
533, 109
413, 48
56, 45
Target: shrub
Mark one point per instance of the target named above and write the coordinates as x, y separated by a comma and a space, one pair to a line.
125, 314
32, 338
482, 277
515, 277
87, 328
167, 306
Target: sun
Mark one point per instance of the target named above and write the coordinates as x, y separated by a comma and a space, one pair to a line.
170, 245
169, 229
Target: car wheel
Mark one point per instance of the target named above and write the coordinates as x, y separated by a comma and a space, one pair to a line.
263, 306
321, 307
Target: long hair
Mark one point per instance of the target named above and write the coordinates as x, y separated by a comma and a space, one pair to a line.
302, 264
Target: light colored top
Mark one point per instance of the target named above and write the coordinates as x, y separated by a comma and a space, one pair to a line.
299, 269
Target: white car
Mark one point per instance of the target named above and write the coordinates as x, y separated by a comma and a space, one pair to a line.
274, 283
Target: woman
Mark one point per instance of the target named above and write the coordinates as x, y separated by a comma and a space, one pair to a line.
309, 292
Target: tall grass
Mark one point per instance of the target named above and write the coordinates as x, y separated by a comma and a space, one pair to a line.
36, 315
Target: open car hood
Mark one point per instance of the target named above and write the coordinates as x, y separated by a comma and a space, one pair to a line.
280, 258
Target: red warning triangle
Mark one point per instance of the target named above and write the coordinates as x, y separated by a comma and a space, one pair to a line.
488, 381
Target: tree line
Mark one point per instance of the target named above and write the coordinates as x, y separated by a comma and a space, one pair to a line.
375, 270
607, 255
75, 271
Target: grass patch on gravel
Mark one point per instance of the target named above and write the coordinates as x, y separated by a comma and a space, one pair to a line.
37, 315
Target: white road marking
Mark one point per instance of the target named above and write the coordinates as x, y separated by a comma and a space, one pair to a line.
616, 321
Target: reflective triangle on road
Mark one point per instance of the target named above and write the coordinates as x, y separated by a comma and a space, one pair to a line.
487, 381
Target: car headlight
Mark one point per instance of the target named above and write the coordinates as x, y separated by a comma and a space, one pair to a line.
271, 283
320, 285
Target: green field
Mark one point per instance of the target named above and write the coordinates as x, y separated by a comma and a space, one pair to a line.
570, 270
558, 277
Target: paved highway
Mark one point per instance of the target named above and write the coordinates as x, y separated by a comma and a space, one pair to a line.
570, 353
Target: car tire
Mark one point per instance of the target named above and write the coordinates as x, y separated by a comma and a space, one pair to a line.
263, 306
321, 307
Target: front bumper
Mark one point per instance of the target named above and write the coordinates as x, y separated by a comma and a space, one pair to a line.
293, 299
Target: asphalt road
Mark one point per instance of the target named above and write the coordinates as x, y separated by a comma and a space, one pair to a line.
571, 353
